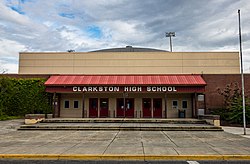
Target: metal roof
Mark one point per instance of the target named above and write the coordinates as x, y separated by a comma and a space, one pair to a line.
64, 80
130, 49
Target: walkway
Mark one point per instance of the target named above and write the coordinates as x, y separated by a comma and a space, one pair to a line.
134, 144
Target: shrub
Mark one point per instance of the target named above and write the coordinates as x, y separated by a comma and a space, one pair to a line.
21, 96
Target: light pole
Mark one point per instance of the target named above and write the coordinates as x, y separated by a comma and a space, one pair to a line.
242, 79
170, 34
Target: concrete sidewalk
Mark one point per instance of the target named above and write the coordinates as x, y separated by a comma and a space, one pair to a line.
134, 144
237, 130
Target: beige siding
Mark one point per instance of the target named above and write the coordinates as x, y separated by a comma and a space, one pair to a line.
171, 113
71, 112
129, 63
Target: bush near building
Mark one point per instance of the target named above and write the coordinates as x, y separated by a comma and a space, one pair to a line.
233, 111
22, 96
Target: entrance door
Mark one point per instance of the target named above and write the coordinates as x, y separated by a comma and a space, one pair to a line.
93, 107
146, 107
127, 110
157, 108
120, 112
104, 107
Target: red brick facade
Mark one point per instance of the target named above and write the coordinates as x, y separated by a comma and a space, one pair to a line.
214, 81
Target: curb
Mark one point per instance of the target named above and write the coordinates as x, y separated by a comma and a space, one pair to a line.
121, 128
123, 157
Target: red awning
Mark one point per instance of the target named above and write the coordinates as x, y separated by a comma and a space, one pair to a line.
178, 80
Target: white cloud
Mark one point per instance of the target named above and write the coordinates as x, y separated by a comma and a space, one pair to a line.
8, 67
199, 26
8, 48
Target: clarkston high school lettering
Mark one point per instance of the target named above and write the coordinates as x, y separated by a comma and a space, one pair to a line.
123, 89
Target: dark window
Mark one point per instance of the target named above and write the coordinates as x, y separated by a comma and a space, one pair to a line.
104, 103
129, 103
157, 103
175, 104
120, 103
76, 104
184, 104
147, 103
66, 104
94, 103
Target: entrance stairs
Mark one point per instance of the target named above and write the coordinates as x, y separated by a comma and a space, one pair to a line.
129, 124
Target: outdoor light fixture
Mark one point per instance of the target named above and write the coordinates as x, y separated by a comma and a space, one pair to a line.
170, 34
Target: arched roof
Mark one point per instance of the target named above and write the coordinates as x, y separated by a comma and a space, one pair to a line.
130, 49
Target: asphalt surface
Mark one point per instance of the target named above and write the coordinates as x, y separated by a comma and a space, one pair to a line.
117, 162
116, 143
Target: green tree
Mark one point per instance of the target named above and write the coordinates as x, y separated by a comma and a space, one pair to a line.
233, 111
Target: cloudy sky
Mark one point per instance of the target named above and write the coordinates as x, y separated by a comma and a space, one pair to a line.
87, 25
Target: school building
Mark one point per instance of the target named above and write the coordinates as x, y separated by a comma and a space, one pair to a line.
133, 82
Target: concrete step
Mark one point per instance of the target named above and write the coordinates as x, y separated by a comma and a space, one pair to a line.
123, 120
121, 127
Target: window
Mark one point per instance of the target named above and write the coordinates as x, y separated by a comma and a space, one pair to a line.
76, 104
93, 103
200, 97
66, 104
175, 104
129, 103
147, 103
120, 103
184, 104
157, 104
104, 103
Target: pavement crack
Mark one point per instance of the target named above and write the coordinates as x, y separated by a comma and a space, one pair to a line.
171, 141
169, 138
111, 142
211, 147
69, 148
143, 150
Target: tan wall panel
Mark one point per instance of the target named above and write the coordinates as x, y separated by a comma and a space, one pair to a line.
137, 106
210, 55
71, 112
46, 56
129, 63
45, 70
50, 63
211, 70
128, 55
127, 70
68, 113
112, 107
173, 113
209, 63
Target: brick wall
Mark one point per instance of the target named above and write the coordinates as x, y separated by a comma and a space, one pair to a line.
215, 81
